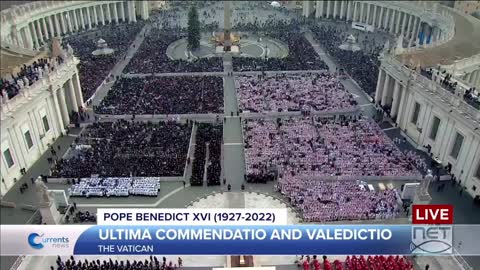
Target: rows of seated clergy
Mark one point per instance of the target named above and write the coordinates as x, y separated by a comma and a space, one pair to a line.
124, 148
282, 92
94, 69
321, 201
152, 56
164, 95
362, 65
116, 187
322, 147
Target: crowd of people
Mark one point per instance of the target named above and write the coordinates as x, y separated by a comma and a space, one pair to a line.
322, 201
94, 69
116, 187
322, 147
151, 57
301, 56
164, 95
210, 136
361, 65
282, 92
127, 148
12, 84
357, 263
151, 263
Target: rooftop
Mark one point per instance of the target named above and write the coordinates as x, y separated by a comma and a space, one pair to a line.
465, 43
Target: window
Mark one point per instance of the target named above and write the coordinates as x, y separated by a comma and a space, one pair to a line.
457, 145
46, 126
474, 188
8, 158
434, 130
28, 139
416, 111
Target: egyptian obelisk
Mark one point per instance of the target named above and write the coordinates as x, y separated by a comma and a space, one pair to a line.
227, 42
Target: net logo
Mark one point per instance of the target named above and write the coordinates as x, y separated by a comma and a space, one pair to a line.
431, 240
38, 241
33, 242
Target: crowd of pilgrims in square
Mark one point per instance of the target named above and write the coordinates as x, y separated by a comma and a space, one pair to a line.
152, 56
164, 95
370, 262
211, 135
151, 263
301, 54
283, 92
361, 65
127, 148
14, 83
94, 69
305, 153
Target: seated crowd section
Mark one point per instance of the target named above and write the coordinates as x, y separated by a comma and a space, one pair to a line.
361, 65
94, 69
126, 148
282, 92
152, 56
116, 187
370, 262
12, 84
321, 201
306, 153
213, 136
164, 95
151, 263
301, 54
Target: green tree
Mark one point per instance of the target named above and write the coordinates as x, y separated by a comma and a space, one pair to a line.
193, 29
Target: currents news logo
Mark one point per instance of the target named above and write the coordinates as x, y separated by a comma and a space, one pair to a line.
39, 241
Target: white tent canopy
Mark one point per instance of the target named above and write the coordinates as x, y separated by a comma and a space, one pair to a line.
275, 4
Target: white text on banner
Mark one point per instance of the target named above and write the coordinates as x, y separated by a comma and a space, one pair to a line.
218, 216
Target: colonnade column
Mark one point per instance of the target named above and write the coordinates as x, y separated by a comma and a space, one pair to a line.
34, 35
396, 99
73, 99
368, 13
82, 19
397, 25
45, 30
392, 21
102, 15
380, 82
374, 20
335, 9
69, 22
122, 11
409, 26
342, 9
50, 24
78, 90
362, 5
39, 31
355, 7
380, 19
385, 89
328, 9
95, 15
63, 106
115, 12
349, 10
401, 104
28, 33
109, 14
89, 19
57, 109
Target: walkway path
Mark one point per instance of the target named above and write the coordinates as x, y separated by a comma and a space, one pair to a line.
234, 156
120, 66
